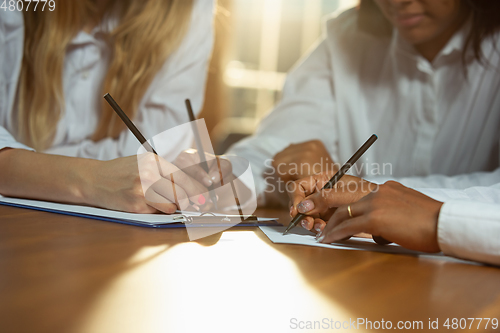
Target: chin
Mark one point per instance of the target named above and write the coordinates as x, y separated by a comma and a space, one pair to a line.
415, 36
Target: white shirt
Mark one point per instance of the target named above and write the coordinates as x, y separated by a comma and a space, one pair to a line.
182, 76
436, 128
469, 222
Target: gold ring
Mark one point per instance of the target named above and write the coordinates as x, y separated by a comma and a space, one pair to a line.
349, 211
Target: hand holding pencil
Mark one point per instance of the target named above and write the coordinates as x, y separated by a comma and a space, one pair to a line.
306, 197
322, 184
167, 185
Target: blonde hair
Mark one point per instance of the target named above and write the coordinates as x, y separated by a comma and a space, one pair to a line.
147, 33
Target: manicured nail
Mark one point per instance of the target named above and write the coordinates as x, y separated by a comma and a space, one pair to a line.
304, 224
201, 199
320, 239
305, 206
207, 181
317, 227
319, 235
291, 210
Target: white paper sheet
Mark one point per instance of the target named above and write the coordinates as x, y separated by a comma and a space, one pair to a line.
300, 236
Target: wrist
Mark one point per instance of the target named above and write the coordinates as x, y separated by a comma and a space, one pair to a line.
85, 179
437, 209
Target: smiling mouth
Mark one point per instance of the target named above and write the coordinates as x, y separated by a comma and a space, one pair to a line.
408, 20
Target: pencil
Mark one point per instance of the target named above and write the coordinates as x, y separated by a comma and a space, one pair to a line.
129, 123
201, 151
331, 183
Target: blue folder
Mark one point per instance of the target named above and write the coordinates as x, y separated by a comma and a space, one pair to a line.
194, 221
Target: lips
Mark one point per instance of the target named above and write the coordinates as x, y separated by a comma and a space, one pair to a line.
408, 20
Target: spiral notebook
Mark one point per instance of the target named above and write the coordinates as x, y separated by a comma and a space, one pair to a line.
142, 220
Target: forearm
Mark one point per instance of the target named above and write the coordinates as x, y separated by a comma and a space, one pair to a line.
27, 174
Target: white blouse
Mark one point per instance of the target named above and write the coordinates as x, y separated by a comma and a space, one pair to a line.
469, 222
437, 127
182, 76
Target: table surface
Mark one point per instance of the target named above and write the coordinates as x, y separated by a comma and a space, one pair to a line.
67, 274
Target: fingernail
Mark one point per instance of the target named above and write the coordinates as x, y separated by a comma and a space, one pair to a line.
201, 199
207, 181
319, 235
305, 206
317, 227
291, 210
320, 239
214, 178
304, 224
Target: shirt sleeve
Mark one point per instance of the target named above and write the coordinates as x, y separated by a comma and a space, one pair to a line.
7, 141
11, 50
307, 97
459, 182
182, 76
469, 223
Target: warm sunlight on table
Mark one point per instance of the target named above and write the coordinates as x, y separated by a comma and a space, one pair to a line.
224, 286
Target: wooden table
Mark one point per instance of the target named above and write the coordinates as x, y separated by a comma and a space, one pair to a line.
69, 274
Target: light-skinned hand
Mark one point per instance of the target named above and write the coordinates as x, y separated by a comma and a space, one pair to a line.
220, 169
120, 185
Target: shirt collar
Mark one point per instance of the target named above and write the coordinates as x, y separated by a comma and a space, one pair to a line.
104, 27
457, 41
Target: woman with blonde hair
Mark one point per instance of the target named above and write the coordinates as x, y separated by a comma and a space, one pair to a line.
59, 141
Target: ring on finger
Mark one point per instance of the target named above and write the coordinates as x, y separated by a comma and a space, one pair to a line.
349, 211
